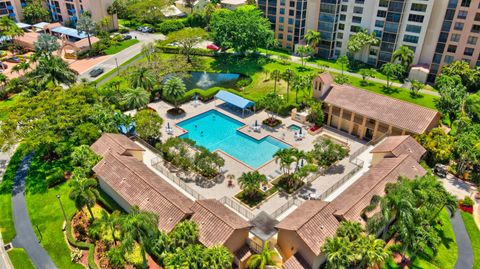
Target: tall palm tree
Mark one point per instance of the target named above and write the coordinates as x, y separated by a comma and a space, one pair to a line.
136, 98
46, 45
404, 55
184, 234
174, 89
53, 70
86, 25
218, 257
138, 226
263, 259
350, 229
313, 38
9, 28
339, 252
21, 67
276, 75
85, 193
285, 158
372, 252
288, 76
111, 221
142, 77
250, 182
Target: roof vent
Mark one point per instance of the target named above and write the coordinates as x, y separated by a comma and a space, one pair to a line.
170, 219
148, 198
321, 227
123, 179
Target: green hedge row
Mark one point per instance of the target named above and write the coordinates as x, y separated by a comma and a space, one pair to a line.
81, 245
194, 51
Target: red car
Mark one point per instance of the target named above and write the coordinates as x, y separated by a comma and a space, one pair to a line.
213, 47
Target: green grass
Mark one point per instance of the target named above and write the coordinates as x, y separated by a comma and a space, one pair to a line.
474, 235
115, 69
7, 227
44, 211
447, 250
20, 259
121, 46
5, 105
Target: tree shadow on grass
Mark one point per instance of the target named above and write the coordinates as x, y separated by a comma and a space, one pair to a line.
389, 90
416, 95
303, 69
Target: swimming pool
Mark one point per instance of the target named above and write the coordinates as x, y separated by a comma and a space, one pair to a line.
215, 130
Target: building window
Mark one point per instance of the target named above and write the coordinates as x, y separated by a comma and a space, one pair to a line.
290, 21
341, 26
413, 28
343, 17
452, 48
472, 40
448, 59
458, 26
280, 36
455, 37
381, 13
379, 23
344, 8
410, 38
475, 28
289, 37
281, 19
415, 18
356, 19
465, 3
418, 7
462, 14
468, 51
477, 16
282, 11
358, 10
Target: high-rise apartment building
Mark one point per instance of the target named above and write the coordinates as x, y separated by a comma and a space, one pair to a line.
418, 24
61, 10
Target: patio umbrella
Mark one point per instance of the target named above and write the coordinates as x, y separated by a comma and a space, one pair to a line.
300, 130
256, 123
301, 163
168, 125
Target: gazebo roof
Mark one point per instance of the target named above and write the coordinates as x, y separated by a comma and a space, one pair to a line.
234, 99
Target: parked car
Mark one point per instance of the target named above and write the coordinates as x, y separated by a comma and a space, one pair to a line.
96, 72
213, 47
127, 37
15, 60
441, 170
145, 29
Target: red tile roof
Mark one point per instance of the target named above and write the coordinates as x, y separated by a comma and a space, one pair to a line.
403, 115
402, 144
296, 262
114, 143
135, 183
216, 222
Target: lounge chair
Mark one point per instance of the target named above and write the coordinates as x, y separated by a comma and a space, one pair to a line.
169, 130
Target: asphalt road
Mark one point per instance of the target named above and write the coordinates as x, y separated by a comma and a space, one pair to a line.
465, 252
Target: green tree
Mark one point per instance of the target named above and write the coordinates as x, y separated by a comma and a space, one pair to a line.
452, 99
439, 145
276, 75
472, 106
244, 29
52, 70
187, 38
273, 103
34, 12
405, 56
174, 90
262, 259
86, 25
470, 77
85, 193
9, 28
301, 83
217, 257
250, 182
46, 45
138, 227
415, 87
339, 252
372, 251
208, 163
344, 62
326, 153
366, 73
316, 115
146, 11
111, 222
392, 70
83, 158
184, 234
467, 146
312, 38
361, 40
303, 52
350, 229
136, 98
148, 125
288, 75
142, 77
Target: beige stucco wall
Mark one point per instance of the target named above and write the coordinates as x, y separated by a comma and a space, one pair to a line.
114, 195
290, 243
237, 240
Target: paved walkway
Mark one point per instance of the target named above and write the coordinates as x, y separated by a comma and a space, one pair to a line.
465, 253
5, 262
26, 237
297, 60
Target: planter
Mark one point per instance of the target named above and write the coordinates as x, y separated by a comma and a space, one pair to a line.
314, 130
464, 208
272, 123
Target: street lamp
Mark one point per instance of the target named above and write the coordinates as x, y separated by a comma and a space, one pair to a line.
63, 210
118, 70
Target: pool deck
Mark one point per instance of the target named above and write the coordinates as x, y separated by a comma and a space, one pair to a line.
271, 169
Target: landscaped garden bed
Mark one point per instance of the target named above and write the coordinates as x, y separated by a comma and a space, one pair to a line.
259, 197
272, 122
287, 185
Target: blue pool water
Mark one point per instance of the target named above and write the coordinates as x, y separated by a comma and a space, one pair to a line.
215, 130
294, 127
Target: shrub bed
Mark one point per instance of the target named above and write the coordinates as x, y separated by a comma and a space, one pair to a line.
194, 51
283, 184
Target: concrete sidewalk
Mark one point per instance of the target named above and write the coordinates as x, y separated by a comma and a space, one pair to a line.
5, 262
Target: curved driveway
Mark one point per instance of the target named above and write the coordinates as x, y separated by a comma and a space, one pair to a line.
465, 252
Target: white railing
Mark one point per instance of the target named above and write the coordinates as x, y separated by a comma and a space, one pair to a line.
242, 210
291, 202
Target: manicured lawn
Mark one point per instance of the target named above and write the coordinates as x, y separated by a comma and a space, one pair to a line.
474, 234
44, 211
447, 250
121, 46
20, 259
7, 227
5, 105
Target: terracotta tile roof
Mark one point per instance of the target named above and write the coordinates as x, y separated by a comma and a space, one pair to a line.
350, 203
325, 77
404, 115
243, 253
296, 262
216, 222
114, 143
135, 183
313, 221
402, 144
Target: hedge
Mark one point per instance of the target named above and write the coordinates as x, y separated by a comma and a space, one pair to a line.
194, 51
81, 245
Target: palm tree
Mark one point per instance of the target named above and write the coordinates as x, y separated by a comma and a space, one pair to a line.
53, 70
372, 252
285, 158
138, 226
85, 193
343, 61
111, 221
288, 76
174, 89
313, 38
136, 98
46, 45
184, 234
339, 252
142, 77
276, 75
9, 28
217, 257
21, 67
263, 259
250, 182
86, 25
350, 229
404, 55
